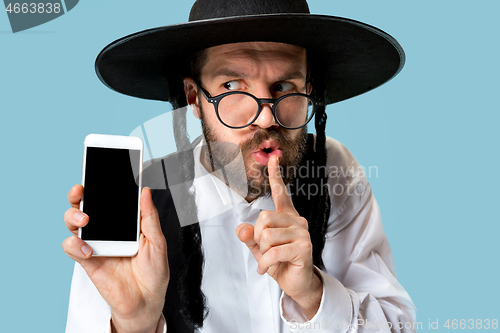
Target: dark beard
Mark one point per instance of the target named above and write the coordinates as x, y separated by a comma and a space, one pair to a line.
221, 154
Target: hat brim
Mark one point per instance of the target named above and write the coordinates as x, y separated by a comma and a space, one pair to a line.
351, 56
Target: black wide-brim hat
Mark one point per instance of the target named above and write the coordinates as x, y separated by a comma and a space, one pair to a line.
348, 57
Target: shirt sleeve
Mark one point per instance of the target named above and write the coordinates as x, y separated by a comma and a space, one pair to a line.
88, 312
336, 305
360, 289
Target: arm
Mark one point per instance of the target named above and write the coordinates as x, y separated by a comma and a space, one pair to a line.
360, 289
359, 279
129, 290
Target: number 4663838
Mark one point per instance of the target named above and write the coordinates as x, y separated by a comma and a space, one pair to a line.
32, 8
471, 324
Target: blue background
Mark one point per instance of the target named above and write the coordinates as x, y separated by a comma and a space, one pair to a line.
431, 132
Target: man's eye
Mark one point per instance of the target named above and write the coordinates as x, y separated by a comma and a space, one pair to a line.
233, 85
283, 86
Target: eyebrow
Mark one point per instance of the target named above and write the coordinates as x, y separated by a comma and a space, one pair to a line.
293, 76
230, 73
234, 73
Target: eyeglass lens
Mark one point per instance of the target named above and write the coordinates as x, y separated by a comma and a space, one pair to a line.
238, 110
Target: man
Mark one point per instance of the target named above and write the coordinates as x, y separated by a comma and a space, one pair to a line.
275, 261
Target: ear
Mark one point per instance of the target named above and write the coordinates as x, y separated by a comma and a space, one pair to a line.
191, 91
309, 88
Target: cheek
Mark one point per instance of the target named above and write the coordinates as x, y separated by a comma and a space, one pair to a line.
218, 131
210, 122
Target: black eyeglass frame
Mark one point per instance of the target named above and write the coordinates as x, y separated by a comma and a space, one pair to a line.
215, 100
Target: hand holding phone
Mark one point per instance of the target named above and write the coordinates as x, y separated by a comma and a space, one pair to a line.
134, 287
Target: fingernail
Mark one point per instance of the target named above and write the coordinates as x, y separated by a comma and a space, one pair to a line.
242, 231
259, 271
79, 216
86, 250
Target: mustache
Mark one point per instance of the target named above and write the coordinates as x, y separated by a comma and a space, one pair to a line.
223, 153
266, 134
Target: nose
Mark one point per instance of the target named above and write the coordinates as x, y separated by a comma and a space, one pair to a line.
265, 118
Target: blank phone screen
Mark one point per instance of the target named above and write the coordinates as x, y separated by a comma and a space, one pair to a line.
111, 194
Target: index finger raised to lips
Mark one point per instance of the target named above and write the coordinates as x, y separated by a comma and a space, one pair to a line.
281, 199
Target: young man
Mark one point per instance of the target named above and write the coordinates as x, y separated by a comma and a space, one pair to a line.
267, 256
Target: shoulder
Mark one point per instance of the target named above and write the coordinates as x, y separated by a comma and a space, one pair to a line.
339, 157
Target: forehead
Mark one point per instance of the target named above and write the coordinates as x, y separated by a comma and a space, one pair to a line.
244, 56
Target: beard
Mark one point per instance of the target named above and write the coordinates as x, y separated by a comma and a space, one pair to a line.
222, 154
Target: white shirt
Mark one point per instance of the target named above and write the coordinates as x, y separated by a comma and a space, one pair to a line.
360, 289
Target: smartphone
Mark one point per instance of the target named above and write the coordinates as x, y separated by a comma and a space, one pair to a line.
111, 178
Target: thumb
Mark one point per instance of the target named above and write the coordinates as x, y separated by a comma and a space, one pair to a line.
150, 221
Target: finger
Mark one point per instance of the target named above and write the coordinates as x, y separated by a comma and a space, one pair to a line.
75, 196
245, 231
74, 219
269, 219
281, 199
272, 237
278, 254
76, 248
150, 221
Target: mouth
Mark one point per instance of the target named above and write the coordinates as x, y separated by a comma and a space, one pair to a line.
265, 150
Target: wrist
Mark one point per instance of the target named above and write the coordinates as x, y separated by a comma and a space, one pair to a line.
311, 299
134, 325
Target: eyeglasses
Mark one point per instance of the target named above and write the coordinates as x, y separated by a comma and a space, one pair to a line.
238, 109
